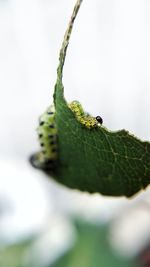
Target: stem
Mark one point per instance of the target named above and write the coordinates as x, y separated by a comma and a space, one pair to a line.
65, 43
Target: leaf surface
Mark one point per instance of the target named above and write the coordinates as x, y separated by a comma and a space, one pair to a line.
96, 160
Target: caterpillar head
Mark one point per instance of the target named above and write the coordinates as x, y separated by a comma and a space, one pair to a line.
99, 120
39, 161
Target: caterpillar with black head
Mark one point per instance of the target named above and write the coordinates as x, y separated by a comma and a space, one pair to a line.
84, 118
47, 134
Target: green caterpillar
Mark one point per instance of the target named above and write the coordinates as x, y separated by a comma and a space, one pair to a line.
47, 134
84, 118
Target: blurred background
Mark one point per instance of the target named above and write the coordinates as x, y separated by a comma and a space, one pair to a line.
107, 69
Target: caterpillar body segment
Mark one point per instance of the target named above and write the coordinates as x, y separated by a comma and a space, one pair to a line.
48, 135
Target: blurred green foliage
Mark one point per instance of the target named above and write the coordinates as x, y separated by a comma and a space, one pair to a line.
14, 255
92, 249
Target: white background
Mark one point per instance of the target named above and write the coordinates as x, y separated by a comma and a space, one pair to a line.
107, 66
107, 69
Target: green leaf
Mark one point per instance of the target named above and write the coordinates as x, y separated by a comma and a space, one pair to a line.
97, 160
